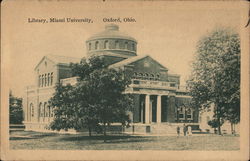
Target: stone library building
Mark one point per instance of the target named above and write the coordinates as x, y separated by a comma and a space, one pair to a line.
160, 102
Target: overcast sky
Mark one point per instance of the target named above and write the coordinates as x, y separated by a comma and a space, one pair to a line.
167, 31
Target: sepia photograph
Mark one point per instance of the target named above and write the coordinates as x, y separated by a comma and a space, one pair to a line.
127, 80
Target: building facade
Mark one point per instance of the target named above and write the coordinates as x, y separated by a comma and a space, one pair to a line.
160, 102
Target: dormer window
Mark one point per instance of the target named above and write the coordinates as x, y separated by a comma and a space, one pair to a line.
126, 46
133, 47
157, 76
96, 45
116, 44
140, 75
106, 44
146, 75
152, 77
135, 75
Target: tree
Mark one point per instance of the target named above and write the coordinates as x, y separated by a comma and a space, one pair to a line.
97, 99
215, 78
15, 109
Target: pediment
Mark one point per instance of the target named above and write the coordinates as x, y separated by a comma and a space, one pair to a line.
148, 62
44, 62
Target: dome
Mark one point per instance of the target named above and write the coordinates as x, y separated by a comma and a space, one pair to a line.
111, 42
111, 31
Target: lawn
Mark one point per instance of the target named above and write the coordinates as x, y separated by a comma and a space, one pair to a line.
55, 141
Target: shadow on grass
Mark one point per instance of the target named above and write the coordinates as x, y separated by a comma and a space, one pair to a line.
32, 136
109, 138
21, 138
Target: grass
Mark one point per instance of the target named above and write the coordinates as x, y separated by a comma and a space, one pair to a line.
54, 141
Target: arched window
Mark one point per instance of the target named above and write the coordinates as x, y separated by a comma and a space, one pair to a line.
116, 44
152, 77
157, 77
181, 113
126, 46
42, 80
140, 75
106, 44
45, 80
48, 79
45, 110
189, 114
135, 75
146, 76
133, 47
96, 45
51, 78
89, 46
40, 109
51, 112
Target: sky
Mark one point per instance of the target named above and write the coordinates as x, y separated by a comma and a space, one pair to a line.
167, 31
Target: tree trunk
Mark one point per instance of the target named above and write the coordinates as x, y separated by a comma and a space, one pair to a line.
219, 127
104, 132
90, 131
218, 118
232, 129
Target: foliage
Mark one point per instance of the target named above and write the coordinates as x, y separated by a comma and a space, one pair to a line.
97, 99
215, 78
15, 109
214, 123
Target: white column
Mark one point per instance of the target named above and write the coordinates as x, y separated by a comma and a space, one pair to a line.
142, 106
147, 104
158, 109
150, 110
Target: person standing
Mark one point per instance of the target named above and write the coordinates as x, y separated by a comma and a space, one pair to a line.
184, 129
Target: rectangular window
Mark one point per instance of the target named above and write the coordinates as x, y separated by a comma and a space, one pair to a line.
42, 80
181, 116
45, 80
48, 79
172, 85
51, 78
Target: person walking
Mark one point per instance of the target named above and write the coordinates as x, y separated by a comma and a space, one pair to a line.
178, 130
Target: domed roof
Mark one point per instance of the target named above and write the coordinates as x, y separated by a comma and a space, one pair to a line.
111, 31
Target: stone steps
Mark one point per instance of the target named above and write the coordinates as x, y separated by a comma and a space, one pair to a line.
163, 129
166, 128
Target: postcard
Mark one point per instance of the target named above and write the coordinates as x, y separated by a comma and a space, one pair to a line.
124, 80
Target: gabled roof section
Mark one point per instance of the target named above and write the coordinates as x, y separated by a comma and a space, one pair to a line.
63, 59
56, 59
132, 60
